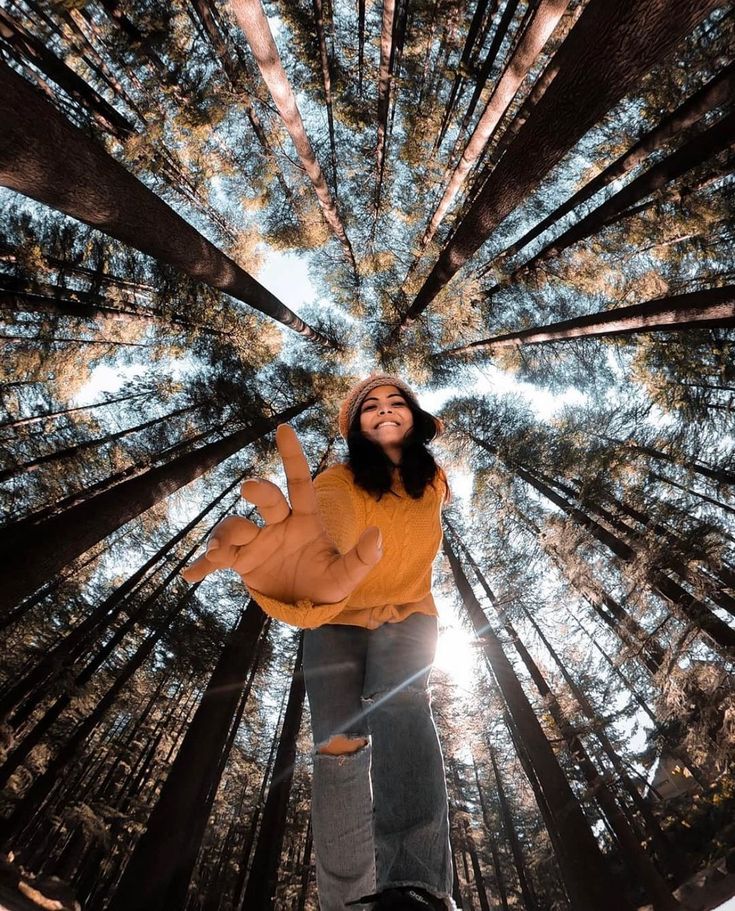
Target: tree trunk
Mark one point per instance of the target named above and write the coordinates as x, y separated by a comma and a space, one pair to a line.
710, 308
34, 798
254, 23
246, 850
670, 859
384, 86
44, 724
715, 93
52, 415
43, 156
56, 659
633, 855
234, 71
360, 44
263, 878
327, 80
92, 490
544, 22
718, 475
700, 148
524, 882
462, 69
89, 305
165, 855
588, 81
70, 451
484, 74
38, 54
718, 504
476, 869
33, 554
583, 868
691, 609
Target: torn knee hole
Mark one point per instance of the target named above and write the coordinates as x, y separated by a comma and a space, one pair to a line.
341, 744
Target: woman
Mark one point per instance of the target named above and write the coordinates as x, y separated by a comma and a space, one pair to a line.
350, 562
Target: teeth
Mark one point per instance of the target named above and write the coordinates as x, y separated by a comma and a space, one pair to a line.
387, 423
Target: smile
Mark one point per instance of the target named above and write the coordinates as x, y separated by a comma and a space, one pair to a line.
386, 424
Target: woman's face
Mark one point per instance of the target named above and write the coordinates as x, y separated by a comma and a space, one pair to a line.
385, 419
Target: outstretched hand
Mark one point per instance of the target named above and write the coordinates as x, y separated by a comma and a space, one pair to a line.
291, 558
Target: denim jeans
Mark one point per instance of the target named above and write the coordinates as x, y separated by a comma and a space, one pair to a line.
379, 815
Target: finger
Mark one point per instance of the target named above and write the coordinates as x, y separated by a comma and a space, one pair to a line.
198, 570
232, 531
358, 562
271, 503
298, 477
228, 536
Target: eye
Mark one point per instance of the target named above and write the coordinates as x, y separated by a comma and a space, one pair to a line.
367, 408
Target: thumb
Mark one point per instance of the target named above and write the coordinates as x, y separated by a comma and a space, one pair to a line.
358, 562
369, 546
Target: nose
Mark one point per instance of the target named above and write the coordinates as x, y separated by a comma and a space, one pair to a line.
383, 409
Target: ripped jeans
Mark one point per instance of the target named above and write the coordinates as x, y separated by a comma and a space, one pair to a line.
373, 684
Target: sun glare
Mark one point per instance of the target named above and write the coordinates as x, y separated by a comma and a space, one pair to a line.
456, 654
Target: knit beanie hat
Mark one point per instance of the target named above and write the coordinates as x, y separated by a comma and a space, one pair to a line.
360, 391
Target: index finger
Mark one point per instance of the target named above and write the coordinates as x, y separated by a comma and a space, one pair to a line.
298, 477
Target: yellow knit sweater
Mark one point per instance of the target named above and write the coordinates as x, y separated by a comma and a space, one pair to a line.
397, 586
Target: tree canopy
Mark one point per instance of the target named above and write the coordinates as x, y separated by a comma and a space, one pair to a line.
215, 217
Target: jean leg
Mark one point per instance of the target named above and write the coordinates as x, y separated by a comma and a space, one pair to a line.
342, 805
411, 822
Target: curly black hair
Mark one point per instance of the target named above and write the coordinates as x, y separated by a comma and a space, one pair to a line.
373, 470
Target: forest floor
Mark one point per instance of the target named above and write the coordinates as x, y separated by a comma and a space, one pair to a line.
712, 889
20, 892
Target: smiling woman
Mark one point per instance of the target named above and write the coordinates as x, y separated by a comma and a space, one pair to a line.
386, 419
349, 559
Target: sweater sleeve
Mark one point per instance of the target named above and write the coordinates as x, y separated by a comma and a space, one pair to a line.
337, 512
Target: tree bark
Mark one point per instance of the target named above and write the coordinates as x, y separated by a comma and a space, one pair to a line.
583, 868
35, 797
43, 725
254, 23
45, 157
462, 69
385, 76
710, 308
327, 80
720, 635
546, 16
263, 878
46, 298
636, 859
700, 148
165, 855
56, 659
52, 415
32, 555
715, 93
718, 475
71, 451
360, 44
234, 71
589, 80
490, 833
37, 53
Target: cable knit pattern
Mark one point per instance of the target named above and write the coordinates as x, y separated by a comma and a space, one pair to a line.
400, 584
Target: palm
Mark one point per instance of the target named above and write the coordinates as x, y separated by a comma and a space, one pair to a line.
291, 558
